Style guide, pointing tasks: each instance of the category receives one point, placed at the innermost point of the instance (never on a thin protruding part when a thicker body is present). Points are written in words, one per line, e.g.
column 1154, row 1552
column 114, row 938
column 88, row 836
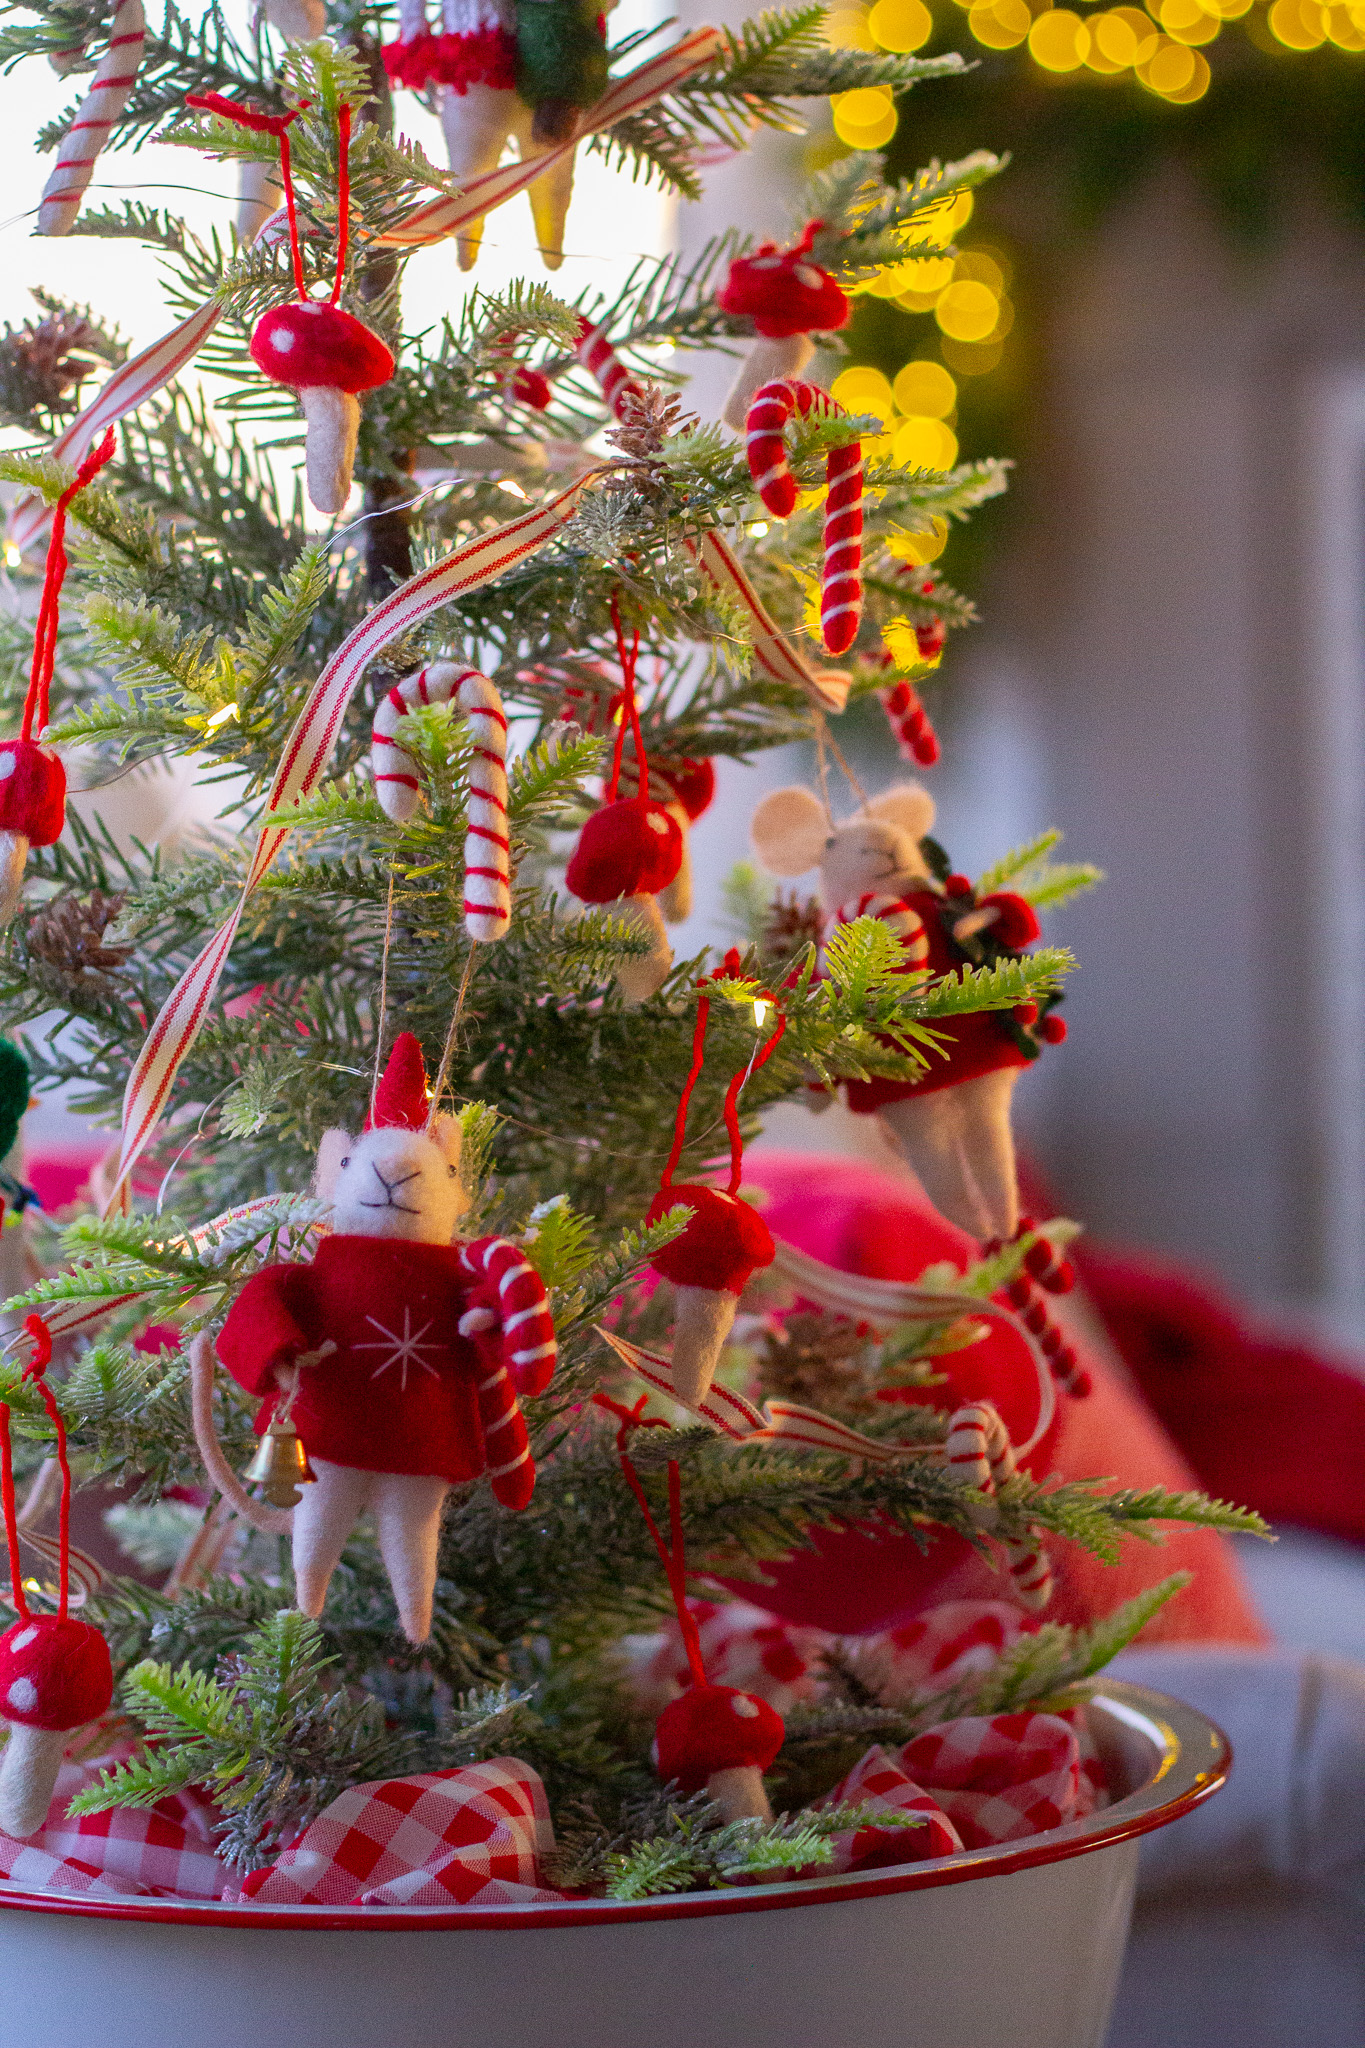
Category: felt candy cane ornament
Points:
column 713, row 1738
column 32, row 779
column 115, row 77
column 487, row 848
column 312, row 346
column 770, row 414
column 1045, row 1272
column 979, row 1451
column 788, row 297
column 55, row 1673
column 909, row 722
column 726, row 1240
column 631, row 848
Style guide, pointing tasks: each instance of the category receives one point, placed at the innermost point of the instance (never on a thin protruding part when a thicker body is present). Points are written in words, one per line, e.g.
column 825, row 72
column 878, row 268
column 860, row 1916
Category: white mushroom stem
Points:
column 740, row 1794
column 676, row 900
column 771, row 357
column 258, row 195
column 639, row 977
column 28, row 1777
column 13, row 857
column 329, row 449
column 703, row 1319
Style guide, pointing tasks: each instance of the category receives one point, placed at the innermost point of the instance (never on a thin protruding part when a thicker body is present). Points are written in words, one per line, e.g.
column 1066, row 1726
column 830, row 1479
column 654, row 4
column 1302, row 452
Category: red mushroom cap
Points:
column 783, row 292
column 714, row 1728
column 54, row 1674
column 32, row 791
column 1016, row 924
column 693, row 783
column 309, row 342
column 722, row 1245
column 626, row 849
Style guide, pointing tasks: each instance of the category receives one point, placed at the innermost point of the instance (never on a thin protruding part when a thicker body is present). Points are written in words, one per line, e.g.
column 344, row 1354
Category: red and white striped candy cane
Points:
column 487, row 847
column 841, row 590
column 596, row 354
column 115, row 77
column 979, row 1450
column 529, row 1346
column 899, row 918
column 909, row 721
column 1045, row 1268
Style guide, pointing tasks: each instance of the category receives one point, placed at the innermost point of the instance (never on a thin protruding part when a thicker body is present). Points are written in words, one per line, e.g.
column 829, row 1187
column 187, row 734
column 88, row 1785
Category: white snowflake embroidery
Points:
column 403, row 1351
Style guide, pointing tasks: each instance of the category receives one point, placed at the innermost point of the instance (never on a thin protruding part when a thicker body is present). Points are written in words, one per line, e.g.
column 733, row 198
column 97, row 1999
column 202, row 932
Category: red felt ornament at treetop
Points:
column 632, row 847
column 400, row 1351
column 55, row 1674
column 32, row 779
column 788, row 297
column 312, row 346
column 712, row 1737
column 725, row 1241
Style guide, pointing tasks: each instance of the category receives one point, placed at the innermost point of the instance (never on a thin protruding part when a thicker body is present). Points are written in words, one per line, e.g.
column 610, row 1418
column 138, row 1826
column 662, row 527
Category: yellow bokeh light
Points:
column 925, row 388
column 1171, row 70
column 1119, row 39
column 967, row 310
column 1298, row 24
column 864, row 118
column 900, row 24
column 972, row 358
column 923, row 443
column 927, row 274
column 940, row 222
column 1346, row 27
column 999, row 24
column 863, row 389
column 919, row 548
column 1187, row 21
column 848, row 29
column 983, row 266
column 916, row 302
column 1228, row 10
column 1198, row 84
column 1059, row 40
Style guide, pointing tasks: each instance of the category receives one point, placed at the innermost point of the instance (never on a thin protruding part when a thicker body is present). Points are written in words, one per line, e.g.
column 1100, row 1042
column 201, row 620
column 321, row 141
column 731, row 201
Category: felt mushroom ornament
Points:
column 712, row 1738
column 953, row 1121
column 55, row 1673
column 630, row 849
column 313, row 346
column 788, row 297
column 32, row 779
column 687, row 787
column 725, row 1241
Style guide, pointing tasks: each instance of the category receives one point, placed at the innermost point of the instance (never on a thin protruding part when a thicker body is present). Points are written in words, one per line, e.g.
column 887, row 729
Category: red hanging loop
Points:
column 343, row 194
column 54, row 575
column 629, row 709
column 738, row 1081
column 672, row 1554
column 264, row 124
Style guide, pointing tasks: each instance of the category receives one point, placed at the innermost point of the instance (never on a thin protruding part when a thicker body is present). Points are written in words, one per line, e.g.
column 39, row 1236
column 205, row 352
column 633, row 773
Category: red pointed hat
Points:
column 401, row 1097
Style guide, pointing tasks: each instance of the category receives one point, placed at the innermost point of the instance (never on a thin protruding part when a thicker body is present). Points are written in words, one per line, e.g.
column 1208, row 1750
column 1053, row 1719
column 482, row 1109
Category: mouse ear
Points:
column 906, row 805
column 331, row 1152
column 448, row 1133
column 788, row 831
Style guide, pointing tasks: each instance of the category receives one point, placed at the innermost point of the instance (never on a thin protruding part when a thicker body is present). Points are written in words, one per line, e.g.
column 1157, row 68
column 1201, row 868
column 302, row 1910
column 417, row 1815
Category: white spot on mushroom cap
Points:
column 746, row 1708
column 9, row 761
column 24, row 1637
column 282, row 340
column 23, row 1695
column 657, row 824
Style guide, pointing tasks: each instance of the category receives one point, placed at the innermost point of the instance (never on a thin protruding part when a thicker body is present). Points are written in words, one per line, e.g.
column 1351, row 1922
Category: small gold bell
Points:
column 281, row 1465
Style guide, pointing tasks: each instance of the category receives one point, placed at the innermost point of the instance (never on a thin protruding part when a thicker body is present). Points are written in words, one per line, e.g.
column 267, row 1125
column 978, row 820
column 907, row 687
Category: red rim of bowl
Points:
column 1193, row 1760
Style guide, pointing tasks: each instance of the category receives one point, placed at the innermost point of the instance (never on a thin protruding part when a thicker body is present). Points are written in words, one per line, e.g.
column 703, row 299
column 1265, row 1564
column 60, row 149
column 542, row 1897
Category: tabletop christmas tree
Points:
column 475, row 1359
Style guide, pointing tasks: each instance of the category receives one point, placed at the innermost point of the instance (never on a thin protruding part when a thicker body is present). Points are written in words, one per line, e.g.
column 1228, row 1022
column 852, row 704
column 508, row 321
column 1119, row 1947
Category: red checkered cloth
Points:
column 878, row 1780
column 958, row 1640
column 1002, row 1778
column 463, row 1837
column 741, row 1645
column 163, row 1851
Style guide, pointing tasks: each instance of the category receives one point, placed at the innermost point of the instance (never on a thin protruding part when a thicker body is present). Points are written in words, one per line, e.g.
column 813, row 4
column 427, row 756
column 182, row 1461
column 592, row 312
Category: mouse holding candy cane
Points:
column 953, row 1123
column 398, row 1351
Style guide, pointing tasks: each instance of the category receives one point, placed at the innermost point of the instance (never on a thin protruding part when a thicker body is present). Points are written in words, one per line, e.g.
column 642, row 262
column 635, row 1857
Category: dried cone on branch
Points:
column 68, row 937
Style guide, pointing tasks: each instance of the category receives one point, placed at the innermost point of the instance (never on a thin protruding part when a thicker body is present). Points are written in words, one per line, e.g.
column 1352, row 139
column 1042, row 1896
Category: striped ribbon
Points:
column 776, row 655
column 780, row 1422
column 487, row 847
column 306, row 755
column 149, row 372
column 115, row 77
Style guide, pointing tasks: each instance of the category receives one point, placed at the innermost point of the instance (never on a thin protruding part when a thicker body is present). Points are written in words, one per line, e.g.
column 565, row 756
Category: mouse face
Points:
column 868, row 857
column 393, row 1182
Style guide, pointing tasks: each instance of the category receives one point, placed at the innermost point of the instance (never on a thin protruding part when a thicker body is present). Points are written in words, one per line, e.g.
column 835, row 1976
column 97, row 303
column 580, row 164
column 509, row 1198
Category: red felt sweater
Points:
column 977, row 1045
column 399, row 1392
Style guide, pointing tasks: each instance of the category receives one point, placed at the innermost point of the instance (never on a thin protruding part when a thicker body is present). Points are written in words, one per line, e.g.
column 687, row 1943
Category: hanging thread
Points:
column 45, row 633
column 672, row 1554
column 41, row 1338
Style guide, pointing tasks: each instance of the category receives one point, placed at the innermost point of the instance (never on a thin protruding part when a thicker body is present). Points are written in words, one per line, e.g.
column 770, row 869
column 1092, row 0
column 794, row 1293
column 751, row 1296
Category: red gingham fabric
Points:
column 741, row 1645
column 1000, row 1779
column 958, row 1640
column 164, row 1851
column 878, row 1780
column 461, row 1837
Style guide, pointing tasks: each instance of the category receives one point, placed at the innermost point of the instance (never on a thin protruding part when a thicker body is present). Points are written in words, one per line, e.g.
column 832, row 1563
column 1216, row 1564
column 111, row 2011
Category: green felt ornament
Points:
column 15, row 1086
column 561, row 63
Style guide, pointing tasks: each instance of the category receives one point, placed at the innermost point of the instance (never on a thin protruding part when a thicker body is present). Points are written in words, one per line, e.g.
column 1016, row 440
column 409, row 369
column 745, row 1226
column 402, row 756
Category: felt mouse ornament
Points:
column 788, row 297
column 313, row 346
column 518, row 69
column 953, row 1123
column 401, row 1351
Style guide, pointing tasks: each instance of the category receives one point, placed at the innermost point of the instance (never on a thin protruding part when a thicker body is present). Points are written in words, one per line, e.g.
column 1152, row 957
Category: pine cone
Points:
column 43, row 363
column 792, row 923
column 649, row 417
column 68, row 937
column 824, row 1363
